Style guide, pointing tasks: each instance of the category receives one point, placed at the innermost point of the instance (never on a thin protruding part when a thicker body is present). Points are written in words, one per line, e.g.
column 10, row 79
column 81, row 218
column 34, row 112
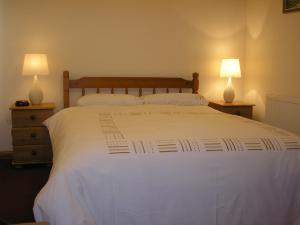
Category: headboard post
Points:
column 195, row 83
column 66, row 89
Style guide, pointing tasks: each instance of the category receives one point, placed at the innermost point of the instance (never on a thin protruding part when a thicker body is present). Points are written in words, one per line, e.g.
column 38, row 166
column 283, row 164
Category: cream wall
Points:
column 118, row 38
column 3, row 124
column 272, row 53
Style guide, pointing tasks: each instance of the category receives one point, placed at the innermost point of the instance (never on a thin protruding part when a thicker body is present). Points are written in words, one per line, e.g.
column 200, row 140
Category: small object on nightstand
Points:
column 235, row 108
column 21, row 103
column 31, row 141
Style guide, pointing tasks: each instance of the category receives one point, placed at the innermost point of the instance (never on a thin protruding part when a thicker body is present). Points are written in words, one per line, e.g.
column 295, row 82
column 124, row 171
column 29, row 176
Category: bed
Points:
column 152, row 164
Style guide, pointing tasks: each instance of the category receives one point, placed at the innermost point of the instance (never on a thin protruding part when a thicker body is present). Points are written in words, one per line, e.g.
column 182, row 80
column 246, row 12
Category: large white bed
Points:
column 168, row 165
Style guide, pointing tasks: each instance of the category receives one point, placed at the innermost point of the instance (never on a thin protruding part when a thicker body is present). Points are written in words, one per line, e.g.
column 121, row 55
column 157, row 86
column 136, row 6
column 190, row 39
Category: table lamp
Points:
column 35, row 65
column 230, row 68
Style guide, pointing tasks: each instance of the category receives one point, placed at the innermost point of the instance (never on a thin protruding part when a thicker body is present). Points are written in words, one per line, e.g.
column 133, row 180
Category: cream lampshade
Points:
column 230, row 68
column 35, row 65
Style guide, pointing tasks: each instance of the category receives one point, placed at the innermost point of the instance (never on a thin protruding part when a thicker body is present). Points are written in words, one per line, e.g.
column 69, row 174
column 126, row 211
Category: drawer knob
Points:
column 33, row 135
column 32, row 117
column 33, row 153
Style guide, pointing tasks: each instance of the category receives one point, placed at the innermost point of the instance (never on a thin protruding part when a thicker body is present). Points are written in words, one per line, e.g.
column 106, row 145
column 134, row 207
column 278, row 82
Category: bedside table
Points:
column 235, row 108
column 31, row 141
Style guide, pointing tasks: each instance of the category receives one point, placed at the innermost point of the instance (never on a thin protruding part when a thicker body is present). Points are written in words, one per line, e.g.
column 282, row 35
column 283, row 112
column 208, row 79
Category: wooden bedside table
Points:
column 31, row 141
column 235, row 108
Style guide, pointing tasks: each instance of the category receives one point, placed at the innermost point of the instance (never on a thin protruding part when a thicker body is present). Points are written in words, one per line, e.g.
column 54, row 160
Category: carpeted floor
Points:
column 18, row 188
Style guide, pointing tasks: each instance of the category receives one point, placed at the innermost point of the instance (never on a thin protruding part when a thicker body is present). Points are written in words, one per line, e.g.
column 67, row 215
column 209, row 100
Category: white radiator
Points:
column 283, row 112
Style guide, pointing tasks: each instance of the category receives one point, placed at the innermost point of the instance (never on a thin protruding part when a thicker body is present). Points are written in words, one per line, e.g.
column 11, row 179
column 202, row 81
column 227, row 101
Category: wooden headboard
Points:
column 126, row 83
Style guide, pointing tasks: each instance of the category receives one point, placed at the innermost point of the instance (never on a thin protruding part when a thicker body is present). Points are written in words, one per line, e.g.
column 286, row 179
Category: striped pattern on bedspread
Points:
column 117, row 143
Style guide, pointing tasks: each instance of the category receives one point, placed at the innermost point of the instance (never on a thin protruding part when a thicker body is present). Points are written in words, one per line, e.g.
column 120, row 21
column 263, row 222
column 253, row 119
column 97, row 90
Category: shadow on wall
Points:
column 224, row 27
column 257, row 13
column 217, row 21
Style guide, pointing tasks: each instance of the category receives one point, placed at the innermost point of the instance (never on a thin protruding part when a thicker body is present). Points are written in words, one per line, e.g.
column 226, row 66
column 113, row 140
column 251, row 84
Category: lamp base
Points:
column 229, row 94
column 36, row 93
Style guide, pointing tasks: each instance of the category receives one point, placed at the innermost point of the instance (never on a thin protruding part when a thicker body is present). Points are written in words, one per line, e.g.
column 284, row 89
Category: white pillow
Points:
column 175, row 99
column 109, row 99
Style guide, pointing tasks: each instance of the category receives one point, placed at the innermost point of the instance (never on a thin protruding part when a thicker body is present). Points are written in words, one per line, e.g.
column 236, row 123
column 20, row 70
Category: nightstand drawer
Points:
column 239, row 111
column 30, row 118
column 32, row 154
column 31, row 136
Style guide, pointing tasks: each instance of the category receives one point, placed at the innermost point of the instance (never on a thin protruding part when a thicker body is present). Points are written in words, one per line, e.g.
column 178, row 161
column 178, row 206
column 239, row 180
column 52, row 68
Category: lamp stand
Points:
column 35, row 93
column 229, row 92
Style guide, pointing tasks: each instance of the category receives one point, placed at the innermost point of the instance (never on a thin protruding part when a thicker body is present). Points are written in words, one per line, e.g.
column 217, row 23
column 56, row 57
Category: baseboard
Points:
column 5, row 154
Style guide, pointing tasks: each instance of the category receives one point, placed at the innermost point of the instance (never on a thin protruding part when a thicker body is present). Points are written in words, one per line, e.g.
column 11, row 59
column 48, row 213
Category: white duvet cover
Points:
column 168, row 165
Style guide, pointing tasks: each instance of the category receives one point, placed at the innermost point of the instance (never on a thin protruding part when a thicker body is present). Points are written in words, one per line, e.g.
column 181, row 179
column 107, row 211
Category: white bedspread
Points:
column 168, row 165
